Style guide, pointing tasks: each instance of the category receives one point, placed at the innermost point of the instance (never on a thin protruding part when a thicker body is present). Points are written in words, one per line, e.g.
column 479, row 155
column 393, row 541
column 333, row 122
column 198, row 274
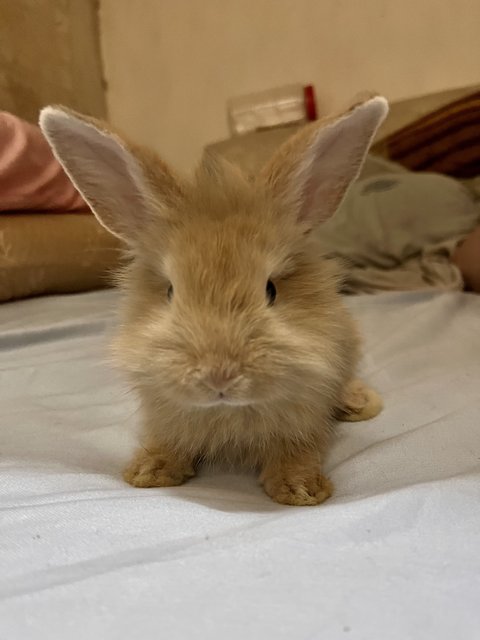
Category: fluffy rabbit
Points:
column 233, row 334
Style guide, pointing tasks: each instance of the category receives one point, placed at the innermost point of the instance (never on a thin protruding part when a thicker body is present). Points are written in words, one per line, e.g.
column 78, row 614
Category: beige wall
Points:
column 49, row 53
column 171, row 64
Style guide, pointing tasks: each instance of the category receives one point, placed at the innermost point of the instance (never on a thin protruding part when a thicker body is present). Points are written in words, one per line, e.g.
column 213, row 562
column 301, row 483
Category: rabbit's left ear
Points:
column 311, row 172
column 124, row 186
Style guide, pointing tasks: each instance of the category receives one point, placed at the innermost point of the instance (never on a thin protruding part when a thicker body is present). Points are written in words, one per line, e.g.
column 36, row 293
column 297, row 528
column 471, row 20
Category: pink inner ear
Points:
column 103, row 170
column 328, row 175
column 320, row 200
column 113, row 167
column 330, row 160
column 338, row 158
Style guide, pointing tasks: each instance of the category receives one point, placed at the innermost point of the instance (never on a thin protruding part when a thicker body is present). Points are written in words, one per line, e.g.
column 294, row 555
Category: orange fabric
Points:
column 54, row 253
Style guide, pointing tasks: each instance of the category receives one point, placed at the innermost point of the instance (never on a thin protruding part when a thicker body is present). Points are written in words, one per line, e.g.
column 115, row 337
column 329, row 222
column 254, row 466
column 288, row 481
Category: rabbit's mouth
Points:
column 223, row 399
column 223, row 384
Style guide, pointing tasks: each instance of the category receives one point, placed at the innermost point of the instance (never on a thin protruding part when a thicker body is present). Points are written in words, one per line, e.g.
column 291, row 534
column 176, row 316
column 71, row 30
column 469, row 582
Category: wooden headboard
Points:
column 403, row 112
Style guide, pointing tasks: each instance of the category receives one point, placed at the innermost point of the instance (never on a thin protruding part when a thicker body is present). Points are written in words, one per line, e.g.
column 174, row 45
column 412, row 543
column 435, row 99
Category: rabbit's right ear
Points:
column 123, row 189
column 310, row 174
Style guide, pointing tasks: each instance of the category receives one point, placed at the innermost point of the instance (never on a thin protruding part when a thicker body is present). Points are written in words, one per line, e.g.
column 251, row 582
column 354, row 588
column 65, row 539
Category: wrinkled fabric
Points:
column 398, row 231
column 30, row 176
column 393, row 555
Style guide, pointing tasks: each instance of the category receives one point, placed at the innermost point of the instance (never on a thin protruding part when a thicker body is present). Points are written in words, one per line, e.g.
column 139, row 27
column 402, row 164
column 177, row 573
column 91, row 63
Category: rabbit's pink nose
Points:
column 219, row 379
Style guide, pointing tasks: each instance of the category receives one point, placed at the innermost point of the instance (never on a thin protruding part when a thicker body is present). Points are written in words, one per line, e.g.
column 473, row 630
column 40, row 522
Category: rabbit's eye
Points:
column 170, row 292
column 271, row 292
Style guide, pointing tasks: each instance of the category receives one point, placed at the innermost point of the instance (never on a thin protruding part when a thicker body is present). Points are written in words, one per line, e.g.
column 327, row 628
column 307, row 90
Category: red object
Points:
column 310, row 103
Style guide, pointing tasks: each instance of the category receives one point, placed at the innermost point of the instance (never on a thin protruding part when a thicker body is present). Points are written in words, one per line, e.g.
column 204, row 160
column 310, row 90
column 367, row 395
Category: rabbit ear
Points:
column 311, row 172
column 123, row 189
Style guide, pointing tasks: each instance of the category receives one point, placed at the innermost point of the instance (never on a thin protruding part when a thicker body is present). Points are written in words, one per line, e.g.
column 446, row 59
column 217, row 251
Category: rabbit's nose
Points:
column 220, row 378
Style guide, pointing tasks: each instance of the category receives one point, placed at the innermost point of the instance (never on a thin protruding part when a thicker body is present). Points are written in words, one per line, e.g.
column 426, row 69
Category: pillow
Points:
column 30, row 176
column 447, row 140
column 398, row 231
column 54, row 253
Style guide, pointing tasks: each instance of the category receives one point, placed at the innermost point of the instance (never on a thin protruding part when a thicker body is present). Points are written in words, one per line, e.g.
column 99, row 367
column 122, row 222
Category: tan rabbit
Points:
column 233, row 333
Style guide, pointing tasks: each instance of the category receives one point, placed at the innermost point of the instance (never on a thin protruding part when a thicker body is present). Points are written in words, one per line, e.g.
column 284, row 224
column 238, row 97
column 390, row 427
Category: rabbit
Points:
column 234, row 334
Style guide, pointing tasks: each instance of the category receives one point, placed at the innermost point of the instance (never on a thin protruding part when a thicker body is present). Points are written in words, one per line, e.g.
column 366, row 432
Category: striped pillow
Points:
column 444, row 141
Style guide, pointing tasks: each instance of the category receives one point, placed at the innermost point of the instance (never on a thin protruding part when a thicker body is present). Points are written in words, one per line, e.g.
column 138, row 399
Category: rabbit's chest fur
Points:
column 236, row 435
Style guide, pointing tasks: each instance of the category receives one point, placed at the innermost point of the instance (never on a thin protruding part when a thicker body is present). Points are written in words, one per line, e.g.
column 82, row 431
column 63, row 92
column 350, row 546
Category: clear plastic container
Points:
column 272, row 108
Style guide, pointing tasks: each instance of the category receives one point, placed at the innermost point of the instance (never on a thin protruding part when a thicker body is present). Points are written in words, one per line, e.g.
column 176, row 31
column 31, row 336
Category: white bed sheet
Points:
column 394, row 555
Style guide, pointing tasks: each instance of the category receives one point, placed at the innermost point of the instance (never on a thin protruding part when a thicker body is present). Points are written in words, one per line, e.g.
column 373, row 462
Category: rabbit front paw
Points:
column 307, row 491
column 156, row 469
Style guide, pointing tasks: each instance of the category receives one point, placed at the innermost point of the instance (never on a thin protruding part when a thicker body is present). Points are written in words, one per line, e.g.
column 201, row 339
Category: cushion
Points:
column 54, row 253
column 30, row 176
column 397, row 231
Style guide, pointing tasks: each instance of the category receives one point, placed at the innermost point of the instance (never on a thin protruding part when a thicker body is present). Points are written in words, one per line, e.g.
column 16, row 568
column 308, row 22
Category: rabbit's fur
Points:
column 224, row 372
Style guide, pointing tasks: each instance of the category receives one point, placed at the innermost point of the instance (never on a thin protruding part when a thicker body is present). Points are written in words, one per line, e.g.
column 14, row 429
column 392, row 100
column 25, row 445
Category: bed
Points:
column 393, row 555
